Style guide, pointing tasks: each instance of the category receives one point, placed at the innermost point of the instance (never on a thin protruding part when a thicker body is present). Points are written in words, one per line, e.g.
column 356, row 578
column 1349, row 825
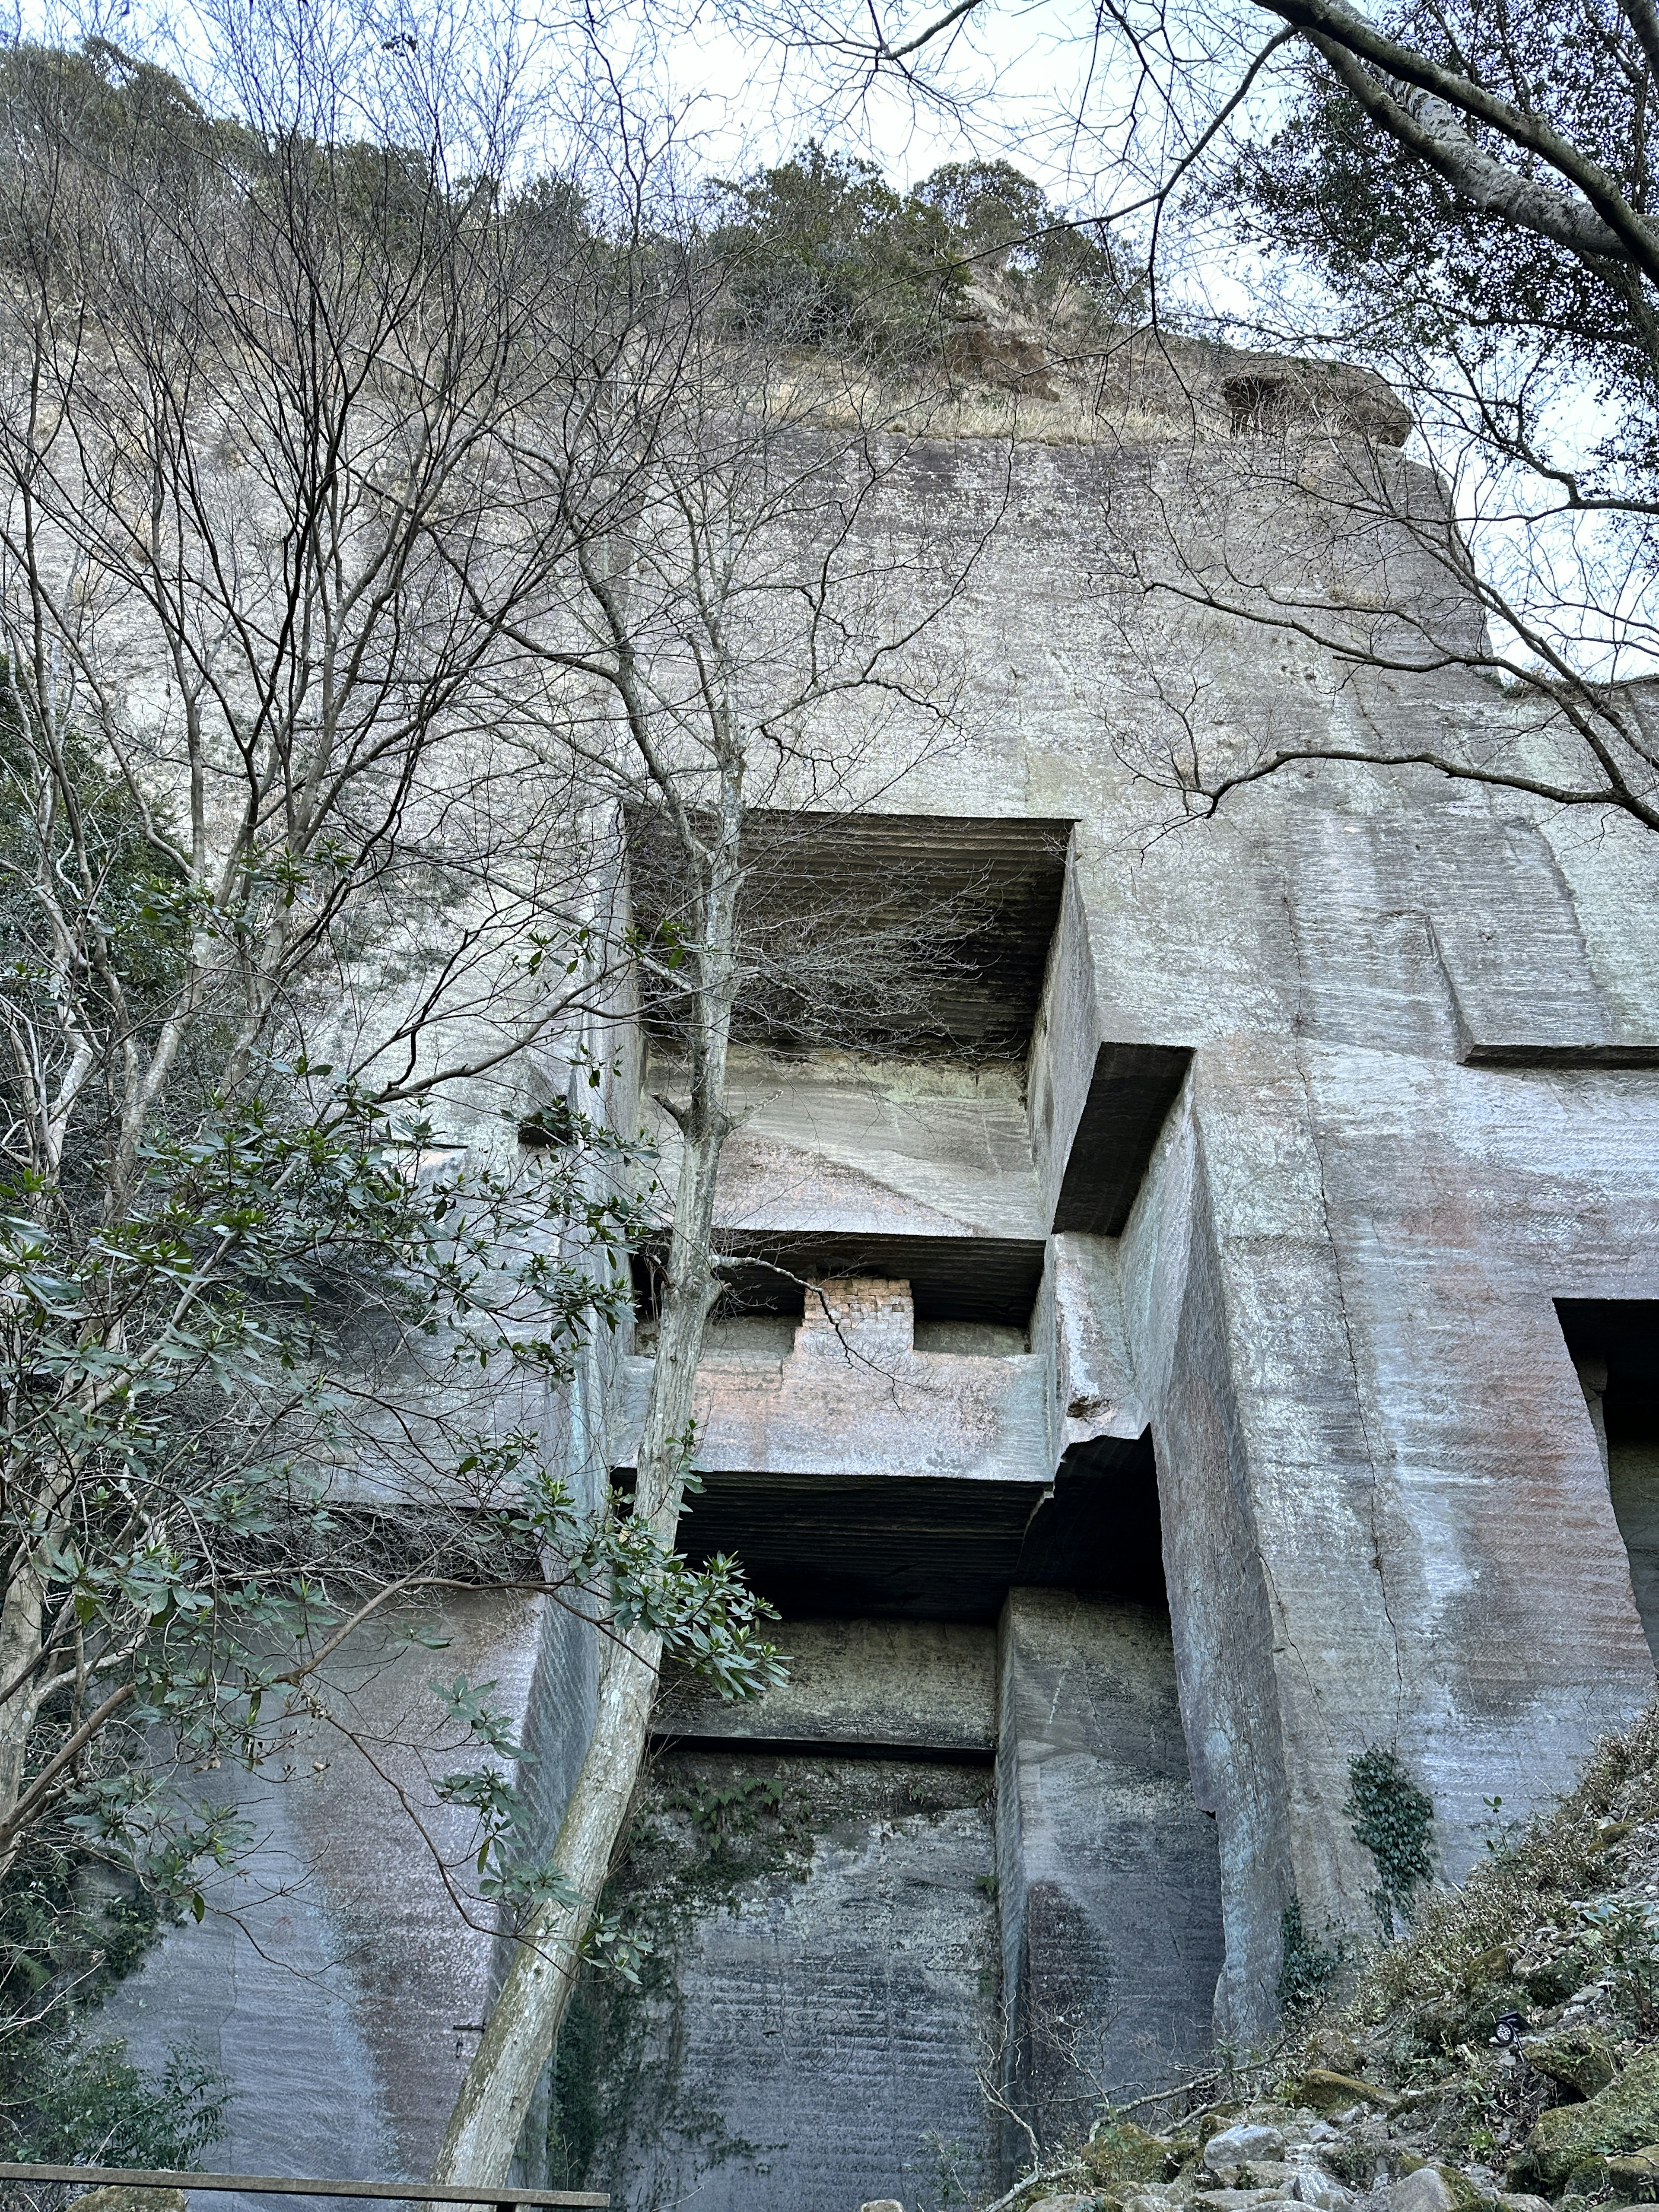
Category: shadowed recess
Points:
column 936, row 1548
column 985, row 1278
column 1614, row 1343
column 1130, row 1094
column 928, row 933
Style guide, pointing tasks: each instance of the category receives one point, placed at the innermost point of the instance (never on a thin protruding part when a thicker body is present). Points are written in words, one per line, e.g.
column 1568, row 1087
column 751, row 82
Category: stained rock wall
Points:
column 1200, row 1395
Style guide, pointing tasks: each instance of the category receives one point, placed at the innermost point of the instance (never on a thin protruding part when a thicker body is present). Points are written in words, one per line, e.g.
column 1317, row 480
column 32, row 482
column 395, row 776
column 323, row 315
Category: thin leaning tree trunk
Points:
column 483, row 2134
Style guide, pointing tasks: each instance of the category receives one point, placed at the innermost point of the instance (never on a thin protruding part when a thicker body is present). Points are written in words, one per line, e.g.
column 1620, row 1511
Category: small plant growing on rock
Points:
column 1395, row 1821
column 1621, row 1938
column 1307, row 1968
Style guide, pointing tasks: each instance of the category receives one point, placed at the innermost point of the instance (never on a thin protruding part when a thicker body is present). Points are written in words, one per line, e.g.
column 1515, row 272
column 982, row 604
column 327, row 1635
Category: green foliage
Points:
column 1010, row 231
column 1306, row 1969
column 576, row 2111
column 1620, row 1943
column 1395, row 1821
column 171, row 1346
column 1419, row 266
column 718, row 1810
column 71, row 1926
column 157, row 1347
column 68, row 2102
column 824, row 254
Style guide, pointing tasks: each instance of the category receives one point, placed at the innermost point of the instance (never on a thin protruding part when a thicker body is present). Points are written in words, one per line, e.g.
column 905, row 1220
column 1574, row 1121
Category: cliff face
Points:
column 1247, row 1368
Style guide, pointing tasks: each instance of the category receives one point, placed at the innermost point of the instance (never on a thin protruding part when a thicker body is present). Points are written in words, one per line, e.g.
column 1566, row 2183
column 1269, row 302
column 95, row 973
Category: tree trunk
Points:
column 523, row 2022
column 21, row 1621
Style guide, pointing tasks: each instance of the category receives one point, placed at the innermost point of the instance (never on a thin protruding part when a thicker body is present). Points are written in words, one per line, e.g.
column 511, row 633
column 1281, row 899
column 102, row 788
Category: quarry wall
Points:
column 1250, row 1372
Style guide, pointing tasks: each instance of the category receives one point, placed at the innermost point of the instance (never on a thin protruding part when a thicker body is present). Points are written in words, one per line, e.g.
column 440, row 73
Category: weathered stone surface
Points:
column 930, row 1684
column 1244, row 2200
column 1328, row 2092
column 331, row 1977
column 1106, row 1867
column 1426, row 2191
column 800, row 2017
column 853, row 1396
column 1578, row 2059
column 1636, row 2175
column 1123, row 2154
column 840, row 1143
column 1232, row 2147
column 1308, row 2185
column 1624, row 2118
column 1416, row 1109
column 1334, row 2052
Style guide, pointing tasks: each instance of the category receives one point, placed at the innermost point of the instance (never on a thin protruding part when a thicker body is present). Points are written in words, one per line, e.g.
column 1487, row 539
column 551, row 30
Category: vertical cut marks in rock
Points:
column 1109, row 1876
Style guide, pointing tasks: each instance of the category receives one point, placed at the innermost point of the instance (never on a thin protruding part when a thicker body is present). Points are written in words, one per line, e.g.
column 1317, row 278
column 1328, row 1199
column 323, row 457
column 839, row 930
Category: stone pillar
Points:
column 1108, row 1877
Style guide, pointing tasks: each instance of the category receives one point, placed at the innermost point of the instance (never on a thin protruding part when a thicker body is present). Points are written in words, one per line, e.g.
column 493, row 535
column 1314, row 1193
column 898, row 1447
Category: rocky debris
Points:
column 1623, row 2118
column 1117, row 2157
column 1578, row 2060
column 1334, row 2052
column 1426, row 2191
column 876, row 2205
column 1504, row 2057
column 1332, row 2093
column 1233, row 2146
column 1636, row 2174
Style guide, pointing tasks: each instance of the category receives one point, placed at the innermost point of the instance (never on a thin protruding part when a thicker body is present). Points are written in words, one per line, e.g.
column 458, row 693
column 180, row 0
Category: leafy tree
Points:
column 824, row 253
column 81, row 2103
column 1410, row 251
column 1469, row 189
column 282, row 872
column 1010, row 230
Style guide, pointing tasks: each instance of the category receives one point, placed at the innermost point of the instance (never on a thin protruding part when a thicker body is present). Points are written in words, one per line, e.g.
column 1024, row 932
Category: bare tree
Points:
column 753, row 655
column 288, row 862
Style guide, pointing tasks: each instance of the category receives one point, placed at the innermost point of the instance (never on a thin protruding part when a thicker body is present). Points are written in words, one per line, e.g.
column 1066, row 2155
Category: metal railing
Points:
column 283, row 2185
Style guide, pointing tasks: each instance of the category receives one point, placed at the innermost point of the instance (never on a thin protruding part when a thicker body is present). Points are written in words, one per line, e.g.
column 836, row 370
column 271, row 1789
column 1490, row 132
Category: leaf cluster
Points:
column 1395, row 1821
column 1419, row 265
column 71, row 2102
column 822, row 253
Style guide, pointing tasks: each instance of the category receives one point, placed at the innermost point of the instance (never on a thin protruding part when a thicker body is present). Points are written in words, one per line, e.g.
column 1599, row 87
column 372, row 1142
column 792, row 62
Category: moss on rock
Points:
column 1579, row 2061
column 1623, row 2117
column 1124, row 2154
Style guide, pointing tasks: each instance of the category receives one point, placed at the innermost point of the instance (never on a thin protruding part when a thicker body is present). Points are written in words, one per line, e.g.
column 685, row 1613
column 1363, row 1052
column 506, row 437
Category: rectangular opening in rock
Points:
column 958, row 1850
column 817, row 1887
column 1614, row 1343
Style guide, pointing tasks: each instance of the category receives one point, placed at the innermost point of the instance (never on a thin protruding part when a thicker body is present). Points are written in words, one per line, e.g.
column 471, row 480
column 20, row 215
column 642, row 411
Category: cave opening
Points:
column 1614, row 1343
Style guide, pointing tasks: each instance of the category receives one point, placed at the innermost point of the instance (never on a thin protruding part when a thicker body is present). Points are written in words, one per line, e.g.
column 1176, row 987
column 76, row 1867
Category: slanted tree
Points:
column 752, row 658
